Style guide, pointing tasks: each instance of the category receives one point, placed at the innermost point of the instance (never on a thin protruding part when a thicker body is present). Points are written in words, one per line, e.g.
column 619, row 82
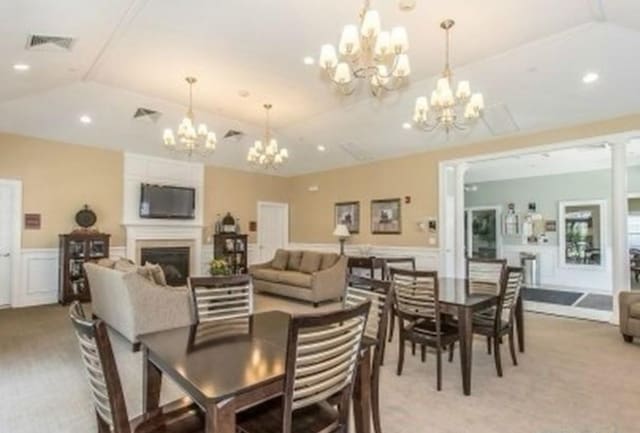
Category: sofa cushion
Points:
column 124, row 265
column 310, row 262
column 293, row 264
column 280, row 260
column 328, row 260
column 272, row 275
column 294, row 278
column 157, row 273
column 634, row 310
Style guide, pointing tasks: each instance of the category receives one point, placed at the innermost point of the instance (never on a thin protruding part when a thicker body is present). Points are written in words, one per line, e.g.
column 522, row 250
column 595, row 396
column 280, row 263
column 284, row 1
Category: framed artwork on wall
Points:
column 385, row 216
column 348, row 213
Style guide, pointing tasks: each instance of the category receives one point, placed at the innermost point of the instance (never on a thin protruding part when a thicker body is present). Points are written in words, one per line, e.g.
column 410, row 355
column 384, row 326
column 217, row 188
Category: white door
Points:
column 273, row 229
column 7, row 239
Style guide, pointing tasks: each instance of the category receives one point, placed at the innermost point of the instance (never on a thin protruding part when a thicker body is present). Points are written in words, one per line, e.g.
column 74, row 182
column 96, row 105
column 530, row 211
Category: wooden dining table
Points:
column 227, row 367
column 456, row 299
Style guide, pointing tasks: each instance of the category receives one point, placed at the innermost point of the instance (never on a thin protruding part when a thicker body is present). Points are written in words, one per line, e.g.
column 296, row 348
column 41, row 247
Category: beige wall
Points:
column 58, row 179
column 238, row 192
column 312, row 217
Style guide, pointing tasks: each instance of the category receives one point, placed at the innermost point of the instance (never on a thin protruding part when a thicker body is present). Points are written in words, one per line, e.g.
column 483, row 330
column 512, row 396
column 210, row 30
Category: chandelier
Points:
column 266, row 153
column 190, row 139
column 368, row 53
column 446, row 109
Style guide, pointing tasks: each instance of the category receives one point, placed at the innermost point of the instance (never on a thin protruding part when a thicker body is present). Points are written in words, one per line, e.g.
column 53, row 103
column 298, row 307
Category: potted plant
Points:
column 218, row 268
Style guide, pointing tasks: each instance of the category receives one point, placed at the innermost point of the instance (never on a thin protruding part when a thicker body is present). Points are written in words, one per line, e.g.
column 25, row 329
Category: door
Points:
column 273, row 229
column 8, row 236
column 482, row 227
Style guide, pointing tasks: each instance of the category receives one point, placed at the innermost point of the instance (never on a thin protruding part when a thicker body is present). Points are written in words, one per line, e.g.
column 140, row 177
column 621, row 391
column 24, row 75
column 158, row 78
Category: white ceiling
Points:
column 528, row 56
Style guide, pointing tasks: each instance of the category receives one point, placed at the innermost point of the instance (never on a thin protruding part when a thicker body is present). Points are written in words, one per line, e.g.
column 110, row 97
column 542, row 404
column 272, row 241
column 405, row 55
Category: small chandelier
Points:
column 265, row 154
column 368, row 53
column 445, row 109
column 190, row 139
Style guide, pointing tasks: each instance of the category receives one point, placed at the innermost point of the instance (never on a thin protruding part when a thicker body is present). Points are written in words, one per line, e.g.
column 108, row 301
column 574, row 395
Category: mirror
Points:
column 581, row 233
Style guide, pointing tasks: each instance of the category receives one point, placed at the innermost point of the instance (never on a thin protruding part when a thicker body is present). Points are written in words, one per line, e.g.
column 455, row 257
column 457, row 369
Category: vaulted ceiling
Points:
column 527, row 57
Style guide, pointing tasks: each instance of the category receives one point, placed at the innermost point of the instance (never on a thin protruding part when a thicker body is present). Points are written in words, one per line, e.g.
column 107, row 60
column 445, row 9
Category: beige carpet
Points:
column 576, row 377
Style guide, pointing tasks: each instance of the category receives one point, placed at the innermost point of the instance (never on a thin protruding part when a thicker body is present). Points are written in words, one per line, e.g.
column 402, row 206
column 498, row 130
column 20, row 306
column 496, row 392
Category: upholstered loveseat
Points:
column 629, row 315
column 305, row 275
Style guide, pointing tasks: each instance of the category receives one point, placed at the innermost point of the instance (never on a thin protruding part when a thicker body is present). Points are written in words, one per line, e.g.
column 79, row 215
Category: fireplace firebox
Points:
column 173, row 260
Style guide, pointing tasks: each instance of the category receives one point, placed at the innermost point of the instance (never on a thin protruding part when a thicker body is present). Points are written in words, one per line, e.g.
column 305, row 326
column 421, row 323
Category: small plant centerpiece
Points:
column 219, row 268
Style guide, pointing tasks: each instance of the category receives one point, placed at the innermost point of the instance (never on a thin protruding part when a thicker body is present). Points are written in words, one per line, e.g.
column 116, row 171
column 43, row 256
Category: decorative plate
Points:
column 85, row 217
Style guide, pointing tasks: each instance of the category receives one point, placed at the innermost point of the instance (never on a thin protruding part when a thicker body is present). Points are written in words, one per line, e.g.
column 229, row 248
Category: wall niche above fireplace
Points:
column 173, row 260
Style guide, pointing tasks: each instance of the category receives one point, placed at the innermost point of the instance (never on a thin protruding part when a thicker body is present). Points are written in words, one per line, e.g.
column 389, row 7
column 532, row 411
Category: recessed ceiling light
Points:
column 590, row 77
column 321, row 148
column 85, row 119
column 406, row 125
column 21, row 67
column 309, row 60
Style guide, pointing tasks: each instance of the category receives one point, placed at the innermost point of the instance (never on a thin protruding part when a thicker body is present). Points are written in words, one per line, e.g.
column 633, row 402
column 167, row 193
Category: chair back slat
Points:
column 416, row 293
column 511, row 293
column 378, row 313
column 224, row 298
column 485, row 275
column 322, row 355
column 101, row 371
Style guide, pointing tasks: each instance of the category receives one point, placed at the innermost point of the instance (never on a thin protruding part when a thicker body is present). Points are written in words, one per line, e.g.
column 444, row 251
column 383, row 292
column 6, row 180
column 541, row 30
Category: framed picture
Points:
column 385, row 216
column 348, row 213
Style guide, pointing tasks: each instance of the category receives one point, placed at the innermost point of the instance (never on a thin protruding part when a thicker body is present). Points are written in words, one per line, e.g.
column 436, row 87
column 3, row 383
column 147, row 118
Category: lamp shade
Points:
column 341, row 231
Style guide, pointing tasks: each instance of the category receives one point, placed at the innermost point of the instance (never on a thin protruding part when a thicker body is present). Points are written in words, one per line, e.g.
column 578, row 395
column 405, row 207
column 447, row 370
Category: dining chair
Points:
column 417, row 307
column 389, row 263
column 500, row 322
column 322, row 355
column 485, row 275
column 181, row 416
column 221, row 298
column 380, row 295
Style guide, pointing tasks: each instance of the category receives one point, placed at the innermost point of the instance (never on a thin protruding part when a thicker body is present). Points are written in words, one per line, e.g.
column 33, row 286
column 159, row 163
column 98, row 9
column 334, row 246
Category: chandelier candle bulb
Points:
column 328, row 58
column 477, row 100
column 403, row 69
column 343, row 73
column 399, row 40
column 464, row 90
column 383, row 43
column 349, row 42
column 370, row 24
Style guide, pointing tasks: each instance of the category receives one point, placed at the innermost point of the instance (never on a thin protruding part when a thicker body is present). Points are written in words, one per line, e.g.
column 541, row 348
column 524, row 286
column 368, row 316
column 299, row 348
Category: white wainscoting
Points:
column 552, row 274
column 426, row 258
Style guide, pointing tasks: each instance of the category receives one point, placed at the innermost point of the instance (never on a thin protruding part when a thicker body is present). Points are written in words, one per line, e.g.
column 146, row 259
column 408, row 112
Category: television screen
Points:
column 167, row 202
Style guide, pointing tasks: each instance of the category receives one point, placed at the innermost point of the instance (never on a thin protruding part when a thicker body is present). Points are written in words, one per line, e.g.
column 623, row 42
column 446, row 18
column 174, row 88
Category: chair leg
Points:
column 439, row 365
column 400, row 350
column 489, row 345
column 392, row 324
column 512, row 347
column 452, row 347
column 496, row 354
column 627, row 338
column 423, row 353
column 375, row 398
column 413, row 348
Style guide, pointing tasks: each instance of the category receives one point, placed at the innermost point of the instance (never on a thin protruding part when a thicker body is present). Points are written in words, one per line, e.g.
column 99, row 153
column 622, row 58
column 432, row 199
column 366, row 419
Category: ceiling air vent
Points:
column 49, row 43
column 499, row 120
column 233, row 133
column 147, row 114
column 356, row 151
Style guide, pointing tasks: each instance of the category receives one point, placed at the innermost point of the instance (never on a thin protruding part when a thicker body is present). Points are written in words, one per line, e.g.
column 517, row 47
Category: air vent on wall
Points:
column 147, row 114
column 49, row 43
column 233, row 133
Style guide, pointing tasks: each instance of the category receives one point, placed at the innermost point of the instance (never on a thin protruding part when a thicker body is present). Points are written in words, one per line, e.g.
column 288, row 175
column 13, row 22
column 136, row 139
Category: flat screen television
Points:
column 167, row 202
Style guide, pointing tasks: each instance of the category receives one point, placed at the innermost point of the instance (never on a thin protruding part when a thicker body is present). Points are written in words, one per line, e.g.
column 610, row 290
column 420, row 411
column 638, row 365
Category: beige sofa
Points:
column 304, row 275
column 629, row 315
column 133, row 305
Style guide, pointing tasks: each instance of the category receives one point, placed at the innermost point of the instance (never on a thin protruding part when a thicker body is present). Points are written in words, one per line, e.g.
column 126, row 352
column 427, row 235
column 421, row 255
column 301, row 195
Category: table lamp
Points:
column 342, row 233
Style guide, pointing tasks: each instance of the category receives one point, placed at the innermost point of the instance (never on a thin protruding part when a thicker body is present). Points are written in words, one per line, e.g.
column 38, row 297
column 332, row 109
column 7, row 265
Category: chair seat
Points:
column 634, row 310
column 424, row 331
column 267, row 418
column 180, row 416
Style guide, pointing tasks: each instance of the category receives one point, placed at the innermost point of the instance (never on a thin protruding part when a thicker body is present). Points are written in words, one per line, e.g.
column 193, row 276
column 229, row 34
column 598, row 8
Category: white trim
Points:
column 285, row 207
column 603, row 234
column 16, row 241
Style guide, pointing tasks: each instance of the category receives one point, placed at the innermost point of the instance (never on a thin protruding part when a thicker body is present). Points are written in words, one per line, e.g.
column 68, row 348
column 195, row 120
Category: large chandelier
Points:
column 368, row 53
column 446, row 109
column 266, row 153
column 190, row 139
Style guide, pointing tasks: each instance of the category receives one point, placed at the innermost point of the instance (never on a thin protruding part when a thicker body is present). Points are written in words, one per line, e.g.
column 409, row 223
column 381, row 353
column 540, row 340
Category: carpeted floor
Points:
column 576, row 377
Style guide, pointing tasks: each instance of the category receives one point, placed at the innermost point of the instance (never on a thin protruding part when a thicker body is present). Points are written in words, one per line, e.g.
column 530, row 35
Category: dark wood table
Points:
column 455, row 299
column 226, row 372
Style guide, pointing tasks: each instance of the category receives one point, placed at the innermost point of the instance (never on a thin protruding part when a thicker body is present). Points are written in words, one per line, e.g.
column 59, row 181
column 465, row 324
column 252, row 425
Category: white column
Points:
column 619, row 235
column 461, row 170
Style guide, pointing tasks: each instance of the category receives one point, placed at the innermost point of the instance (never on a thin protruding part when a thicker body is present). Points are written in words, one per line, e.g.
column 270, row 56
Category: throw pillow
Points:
column 293, row 264
column 310, row 262
column 280, row 260
column 328, row 260
column 145, row 272
column 157, row 273
column 124, row 265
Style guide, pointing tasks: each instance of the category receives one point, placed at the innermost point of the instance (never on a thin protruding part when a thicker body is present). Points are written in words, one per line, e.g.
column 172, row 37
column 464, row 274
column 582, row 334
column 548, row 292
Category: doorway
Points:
column 273, row 228
column 10, row 232
column 482, row 232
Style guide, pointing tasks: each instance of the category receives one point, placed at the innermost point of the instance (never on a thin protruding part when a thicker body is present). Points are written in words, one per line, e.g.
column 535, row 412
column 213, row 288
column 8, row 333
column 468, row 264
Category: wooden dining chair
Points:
column 181, row 416
column 221, row 298
column 322, row 354
column 485, row 275
column 500, row 322
column 389, row 263
column 380, row 295
column 417, row 307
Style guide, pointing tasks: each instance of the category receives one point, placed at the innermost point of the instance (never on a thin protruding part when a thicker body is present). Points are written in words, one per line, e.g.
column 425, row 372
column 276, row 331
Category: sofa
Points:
column 629, row 315
column 133, row 304
column 304, row 275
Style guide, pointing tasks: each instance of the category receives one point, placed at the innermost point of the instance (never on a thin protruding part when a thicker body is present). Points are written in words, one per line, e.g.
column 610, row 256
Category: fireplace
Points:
column 173, row 260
